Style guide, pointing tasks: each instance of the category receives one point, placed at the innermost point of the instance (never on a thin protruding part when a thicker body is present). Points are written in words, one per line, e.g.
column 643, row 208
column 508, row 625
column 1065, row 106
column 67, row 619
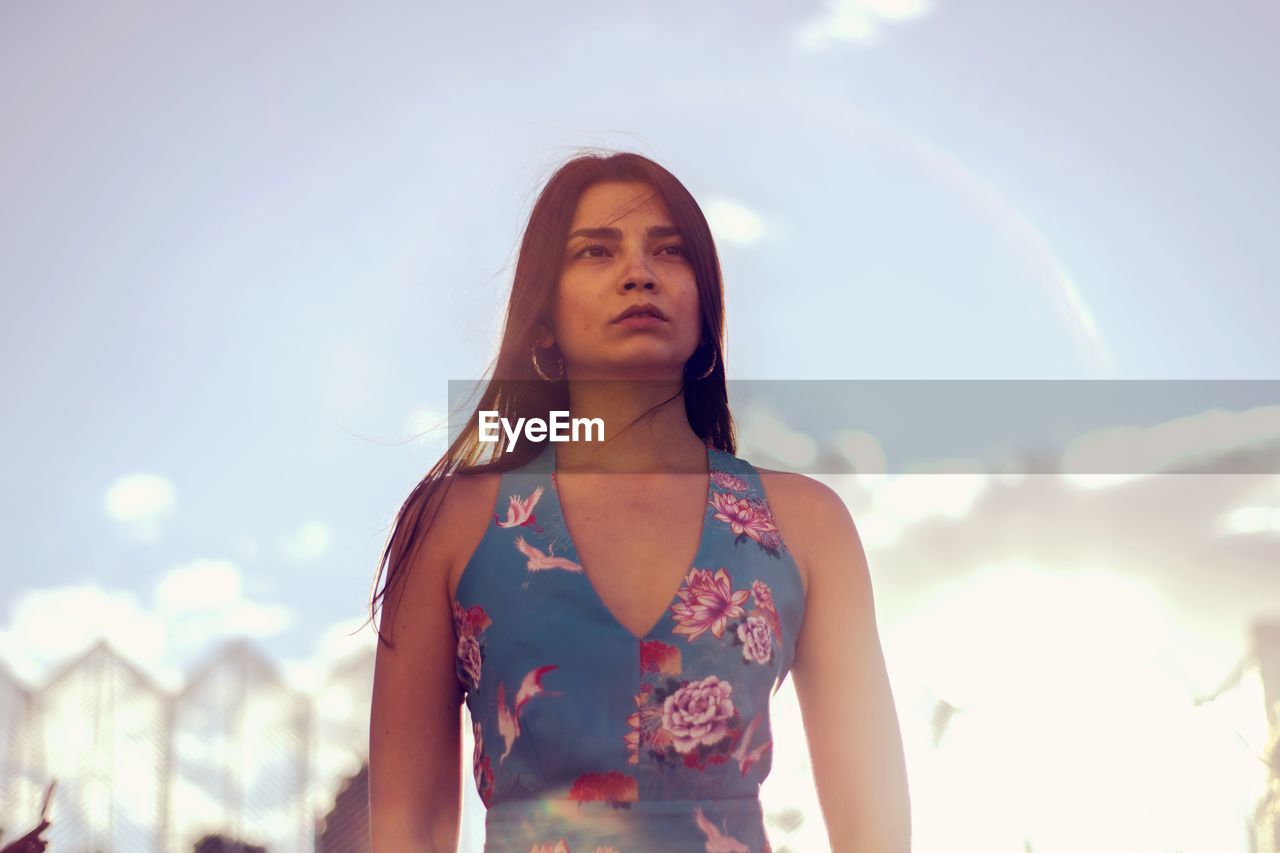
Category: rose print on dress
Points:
column 469, row 654
column 698, row 713
column 509, row 718
column 748, row 518
column 520, row 511
column 764, row 606
column 707, row 603
column 481, row 769
column 614, row 787
column 717, row 841
column 539, row 561
column 690, row 723
column 757, row 633
column 756, row 638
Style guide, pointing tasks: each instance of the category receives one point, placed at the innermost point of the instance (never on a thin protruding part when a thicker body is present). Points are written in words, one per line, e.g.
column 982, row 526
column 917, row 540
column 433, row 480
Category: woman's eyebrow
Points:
column 606, row 233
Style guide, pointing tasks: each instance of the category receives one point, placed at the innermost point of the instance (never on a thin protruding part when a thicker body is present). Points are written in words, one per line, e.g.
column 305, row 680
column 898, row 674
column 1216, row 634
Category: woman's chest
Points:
column 636, row 546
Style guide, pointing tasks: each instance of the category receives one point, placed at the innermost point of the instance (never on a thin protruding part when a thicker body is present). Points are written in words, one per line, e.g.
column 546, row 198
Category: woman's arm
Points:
column 851, row 724
column 415, row 726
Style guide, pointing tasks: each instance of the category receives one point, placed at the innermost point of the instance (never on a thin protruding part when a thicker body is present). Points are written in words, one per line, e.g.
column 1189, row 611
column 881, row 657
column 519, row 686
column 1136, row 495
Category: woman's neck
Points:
column 661, row 441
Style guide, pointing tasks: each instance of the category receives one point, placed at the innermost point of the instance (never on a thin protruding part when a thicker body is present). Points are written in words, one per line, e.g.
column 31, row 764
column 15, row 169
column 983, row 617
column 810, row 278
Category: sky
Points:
column 244, row 249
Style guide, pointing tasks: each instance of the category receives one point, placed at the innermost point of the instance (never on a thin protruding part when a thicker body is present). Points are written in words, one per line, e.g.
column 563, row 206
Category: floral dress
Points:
column 589, row 738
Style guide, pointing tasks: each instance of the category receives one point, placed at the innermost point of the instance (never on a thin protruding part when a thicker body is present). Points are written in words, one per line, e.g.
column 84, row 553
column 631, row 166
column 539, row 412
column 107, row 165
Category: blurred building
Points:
column 345, row 829
column 228, row 763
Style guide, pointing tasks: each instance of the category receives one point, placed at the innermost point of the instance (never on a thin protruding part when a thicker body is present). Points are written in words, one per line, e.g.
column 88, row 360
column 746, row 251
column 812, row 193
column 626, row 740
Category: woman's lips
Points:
column 640, row 321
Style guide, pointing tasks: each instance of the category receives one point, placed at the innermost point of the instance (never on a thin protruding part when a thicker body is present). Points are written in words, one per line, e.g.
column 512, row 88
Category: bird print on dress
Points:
column 509, row 718
column 540, row 561
column 520, row 511
column 717, row 841
column 745, row 758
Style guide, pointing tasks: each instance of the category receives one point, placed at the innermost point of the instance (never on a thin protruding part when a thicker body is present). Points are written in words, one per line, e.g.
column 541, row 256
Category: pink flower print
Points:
column 470, row 661
column 748, row 518
column 734, row 511
column 632, row 738
column 764, row 606
column 473, row 620
column 771, row 540
column 657, row 656
column 717, row 841
column 469, row 652
column 707, row 603
column 614, row 787
column 763, row 595
column 757, row 639
column 698, row 712
column 481, row 769
column 725, row 480
column 645, row 725
column 520, row 511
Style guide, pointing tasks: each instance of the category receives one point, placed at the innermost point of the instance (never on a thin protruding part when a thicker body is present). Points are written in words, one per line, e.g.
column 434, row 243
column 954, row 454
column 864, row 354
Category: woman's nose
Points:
column 639, row 271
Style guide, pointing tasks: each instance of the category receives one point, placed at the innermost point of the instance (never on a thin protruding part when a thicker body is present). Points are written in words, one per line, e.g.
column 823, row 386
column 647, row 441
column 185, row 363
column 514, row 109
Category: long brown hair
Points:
column 515, row 390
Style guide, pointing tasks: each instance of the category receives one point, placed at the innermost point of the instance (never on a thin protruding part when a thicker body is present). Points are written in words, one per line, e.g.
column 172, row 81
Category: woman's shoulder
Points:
column 795, row 485
column 802, row 508
column 797, row 494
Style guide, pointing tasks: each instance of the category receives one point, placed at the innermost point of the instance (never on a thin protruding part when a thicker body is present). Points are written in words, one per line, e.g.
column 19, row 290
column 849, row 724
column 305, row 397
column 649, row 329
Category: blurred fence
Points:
column 236, row 760
column 235, row 754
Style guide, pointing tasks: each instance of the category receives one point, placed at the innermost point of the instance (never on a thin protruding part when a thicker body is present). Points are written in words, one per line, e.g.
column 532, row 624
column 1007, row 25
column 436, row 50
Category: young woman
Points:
column 616, row 615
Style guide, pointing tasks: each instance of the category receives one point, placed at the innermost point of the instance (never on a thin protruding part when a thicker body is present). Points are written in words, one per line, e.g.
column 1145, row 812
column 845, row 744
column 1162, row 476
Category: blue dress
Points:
column 589, row 739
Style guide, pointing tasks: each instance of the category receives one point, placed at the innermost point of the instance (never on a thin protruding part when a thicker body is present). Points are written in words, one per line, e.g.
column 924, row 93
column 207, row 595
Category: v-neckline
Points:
column 591, row 587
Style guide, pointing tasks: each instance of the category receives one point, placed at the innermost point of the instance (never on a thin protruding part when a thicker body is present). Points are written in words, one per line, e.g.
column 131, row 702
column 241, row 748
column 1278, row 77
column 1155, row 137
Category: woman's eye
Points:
column 679, row 249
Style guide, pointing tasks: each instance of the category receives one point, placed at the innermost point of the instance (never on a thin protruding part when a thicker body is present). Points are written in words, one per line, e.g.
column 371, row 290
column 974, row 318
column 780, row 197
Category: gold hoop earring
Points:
column 538, row 368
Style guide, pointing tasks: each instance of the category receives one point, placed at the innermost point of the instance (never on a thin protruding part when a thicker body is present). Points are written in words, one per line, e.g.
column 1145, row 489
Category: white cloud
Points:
column 858, row 21
column 733, row 222
column 48, row 626
column 193, row 607
column 765, row 436
column 339, row 645
column 1123, row 453
column 308, row 543
column 199, row 585
column 141, row 503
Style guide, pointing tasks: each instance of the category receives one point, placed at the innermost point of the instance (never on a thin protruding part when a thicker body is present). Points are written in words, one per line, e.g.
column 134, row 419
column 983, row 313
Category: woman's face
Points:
column 612, row 262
